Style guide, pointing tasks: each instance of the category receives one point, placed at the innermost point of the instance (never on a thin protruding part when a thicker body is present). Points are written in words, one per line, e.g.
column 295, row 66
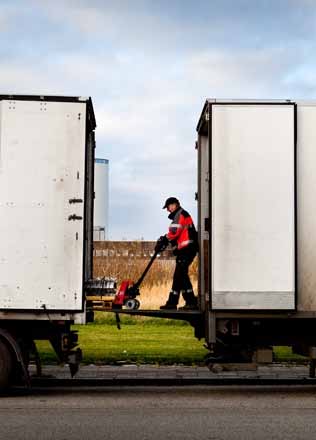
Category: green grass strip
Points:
column 152, row 343
column 143, row 341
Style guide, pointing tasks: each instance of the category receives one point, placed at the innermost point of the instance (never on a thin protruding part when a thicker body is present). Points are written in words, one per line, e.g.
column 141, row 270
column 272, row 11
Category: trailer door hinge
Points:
column 74, row 217
column 207, row 224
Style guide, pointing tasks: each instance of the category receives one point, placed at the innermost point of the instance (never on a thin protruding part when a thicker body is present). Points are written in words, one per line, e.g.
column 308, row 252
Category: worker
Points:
column 183, row 236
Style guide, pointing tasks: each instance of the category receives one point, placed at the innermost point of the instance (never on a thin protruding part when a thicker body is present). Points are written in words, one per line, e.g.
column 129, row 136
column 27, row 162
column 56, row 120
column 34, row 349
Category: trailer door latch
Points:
column 74, row 217
column 75, row 201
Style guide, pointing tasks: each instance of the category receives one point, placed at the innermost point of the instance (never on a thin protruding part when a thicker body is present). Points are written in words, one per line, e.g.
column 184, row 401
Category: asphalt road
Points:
column 160, row 413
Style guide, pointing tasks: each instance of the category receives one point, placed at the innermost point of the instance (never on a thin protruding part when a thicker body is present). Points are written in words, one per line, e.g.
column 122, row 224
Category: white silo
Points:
column 101, row 201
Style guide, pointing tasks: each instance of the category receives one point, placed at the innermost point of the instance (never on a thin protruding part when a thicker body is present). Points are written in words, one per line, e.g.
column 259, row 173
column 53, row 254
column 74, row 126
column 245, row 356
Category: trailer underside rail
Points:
column 186, row 315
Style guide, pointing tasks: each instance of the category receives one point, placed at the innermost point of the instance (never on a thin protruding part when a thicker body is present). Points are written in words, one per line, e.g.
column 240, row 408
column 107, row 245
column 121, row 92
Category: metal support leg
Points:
column 210, row 328
column 312, row 361
column 37, row 359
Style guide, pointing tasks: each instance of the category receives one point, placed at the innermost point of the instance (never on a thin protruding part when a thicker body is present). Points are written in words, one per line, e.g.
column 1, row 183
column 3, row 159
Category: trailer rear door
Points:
column 42, row 204
column 253, row 204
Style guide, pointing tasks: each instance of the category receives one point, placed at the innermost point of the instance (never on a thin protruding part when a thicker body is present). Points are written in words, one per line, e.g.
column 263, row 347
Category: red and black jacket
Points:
column 182, row 231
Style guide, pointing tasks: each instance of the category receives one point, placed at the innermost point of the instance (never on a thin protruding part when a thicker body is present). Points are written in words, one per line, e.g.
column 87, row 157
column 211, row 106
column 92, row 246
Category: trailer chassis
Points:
column 18, row 348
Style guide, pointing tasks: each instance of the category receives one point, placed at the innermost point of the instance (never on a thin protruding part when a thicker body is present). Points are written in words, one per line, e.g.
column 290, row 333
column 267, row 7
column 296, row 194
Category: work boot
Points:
column 172, row 302
column 191, row 301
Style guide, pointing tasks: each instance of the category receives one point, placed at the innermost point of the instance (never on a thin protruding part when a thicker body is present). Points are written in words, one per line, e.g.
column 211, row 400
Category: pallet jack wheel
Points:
column 132, row 304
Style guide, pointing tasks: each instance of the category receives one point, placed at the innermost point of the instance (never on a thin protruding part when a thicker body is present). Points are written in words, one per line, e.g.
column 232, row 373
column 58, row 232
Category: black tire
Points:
column 6, row 363
column 130, row 304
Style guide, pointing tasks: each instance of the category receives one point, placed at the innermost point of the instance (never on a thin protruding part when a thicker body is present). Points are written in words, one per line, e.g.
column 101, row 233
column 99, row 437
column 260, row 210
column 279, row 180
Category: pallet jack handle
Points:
column 140, row 280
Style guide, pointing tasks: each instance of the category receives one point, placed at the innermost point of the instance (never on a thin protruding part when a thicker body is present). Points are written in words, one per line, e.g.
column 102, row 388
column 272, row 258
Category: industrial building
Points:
column 101, row 201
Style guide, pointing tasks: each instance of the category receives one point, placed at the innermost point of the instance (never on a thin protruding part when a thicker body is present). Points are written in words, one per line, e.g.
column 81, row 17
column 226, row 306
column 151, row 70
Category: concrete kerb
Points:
column 185, row 373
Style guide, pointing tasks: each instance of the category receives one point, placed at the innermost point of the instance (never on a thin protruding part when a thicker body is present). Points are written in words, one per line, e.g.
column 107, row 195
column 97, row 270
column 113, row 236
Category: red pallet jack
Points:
column 126, row 294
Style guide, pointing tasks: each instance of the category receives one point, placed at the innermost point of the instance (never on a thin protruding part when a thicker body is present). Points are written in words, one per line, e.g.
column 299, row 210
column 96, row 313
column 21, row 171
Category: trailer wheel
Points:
column 6, row 362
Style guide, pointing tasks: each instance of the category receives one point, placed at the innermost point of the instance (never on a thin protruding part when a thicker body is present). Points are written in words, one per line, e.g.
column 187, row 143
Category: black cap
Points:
column 169, row 201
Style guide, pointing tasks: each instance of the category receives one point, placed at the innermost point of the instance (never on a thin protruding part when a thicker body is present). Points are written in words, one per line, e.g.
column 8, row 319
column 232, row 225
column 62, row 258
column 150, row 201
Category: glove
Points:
column 161, row 244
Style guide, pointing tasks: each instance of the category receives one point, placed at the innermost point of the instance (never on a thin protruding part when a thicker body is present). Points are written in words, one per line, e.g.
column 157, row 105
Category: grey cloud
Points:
column 149, row 69
column 186, row 25
column 155, row 148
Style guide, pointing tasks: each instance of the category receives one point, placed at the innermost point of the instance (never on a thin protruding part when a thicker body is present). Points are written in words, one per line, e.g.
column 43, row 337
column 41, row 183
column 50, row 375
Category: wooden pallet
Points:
column 103, row 302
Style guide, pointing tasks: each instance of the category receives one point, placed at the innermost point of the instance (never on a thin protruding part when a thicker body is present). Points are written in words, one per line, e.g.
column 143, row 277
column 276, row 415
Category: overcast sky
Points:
column 149, row 66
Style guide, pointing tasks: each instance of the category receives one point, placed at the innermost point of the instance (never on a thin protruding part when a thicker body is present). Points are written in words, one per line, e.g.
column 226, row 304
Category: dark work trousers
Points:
column 181, row 280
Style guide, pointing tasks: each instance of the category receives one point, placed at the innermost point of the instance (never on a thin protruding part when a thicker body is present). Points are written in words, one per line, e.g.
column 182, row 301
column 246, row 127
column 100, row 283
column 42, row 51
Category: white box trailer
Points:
column 46, row 216
column 257, row 226
column 252, row 206
column 44, row 192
